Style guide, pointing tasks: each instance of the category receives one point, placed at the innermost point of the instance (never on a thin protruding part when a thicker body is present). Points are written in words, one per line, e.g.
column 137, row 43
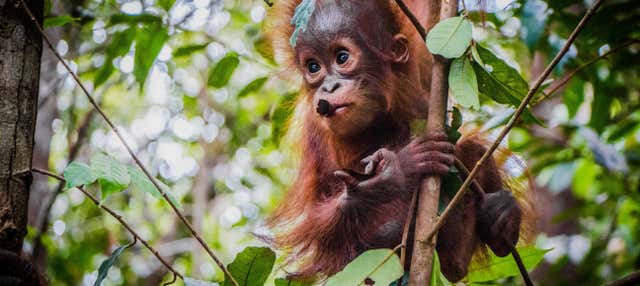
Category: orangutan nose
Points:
column 324, row 108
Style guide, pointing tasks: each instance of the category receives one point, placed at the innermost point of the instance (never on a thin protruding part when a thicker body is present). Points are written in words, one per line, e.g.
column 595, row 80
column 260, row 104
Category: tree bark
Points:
column 429, row 195
column 20, row 52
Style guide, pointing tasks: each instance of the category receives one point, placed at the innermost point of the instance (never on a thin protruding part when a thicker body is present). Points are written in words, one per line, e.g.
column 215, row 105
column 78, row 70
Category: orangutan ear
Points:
column 400, row 49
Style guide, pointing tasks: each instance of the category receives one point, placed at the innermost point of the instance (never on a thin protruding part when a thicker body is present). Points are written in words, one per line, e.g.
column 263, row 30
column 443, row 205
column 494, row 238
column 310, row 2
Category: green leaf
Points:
column 490, row 87
column 188, row 281
column 287, row 282
column 140, row 181
column 103, row 270
column 281, row 114
column 456, row 121
column 437, row 278
column 450, row 38
column 503, row 73
column 463, row 83
column 119, row 46
column 253, row 86
column 112, row 175
column 251, row 267
column 188, row 50
column 501, row 267
column 300, row 19
column 221, row 73
column 59, row 21
column 380, row 266
column 78, row 174
column 149, row 42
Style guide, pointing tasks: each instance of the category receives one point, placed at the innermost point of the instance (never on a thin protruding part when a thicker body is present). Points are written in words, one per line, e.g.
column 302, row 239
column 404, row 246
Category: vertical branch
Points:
column 428, row 198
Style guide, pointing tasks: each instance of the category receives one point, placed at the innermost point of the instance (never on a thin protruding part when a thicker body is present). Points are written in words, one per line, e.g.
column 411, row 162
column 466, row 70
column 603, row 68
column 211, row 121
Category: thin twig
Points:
column 129, row 150
column 413, row 19
column 569, row 76
column 407, row 227
column 632, row 279
column 171, row 281
column 48, row 204
column 523, row 105
column 118, row 217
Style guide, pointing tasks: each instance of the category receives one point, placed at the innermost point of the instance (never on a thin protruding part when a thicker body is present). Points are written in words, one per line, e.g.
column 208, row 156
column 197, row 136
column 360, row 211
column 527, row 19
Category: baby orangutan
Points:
column 363, row 69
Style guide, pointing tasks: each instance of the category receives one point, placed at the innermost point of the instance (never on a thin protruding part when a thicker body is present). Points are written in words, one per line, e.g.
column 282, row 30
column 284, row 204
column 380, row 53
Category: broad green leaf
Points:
column 251, row 267
column 112, row 175
column 188, row 281
column 463, row 83
column 287, row 282
column 501, row 267
column 450, row 38
column 140, row 181
column 103, row 270
column 437, row 278
column 380, row 266
column 188, row 50
column 149, row 42
column 490, row 87
column 119, row 46
column 221, row 73
column 300, row 19
column 253, row 86
column 78, row 174
column 280, row 116
column 59, row 21
column 503, row 73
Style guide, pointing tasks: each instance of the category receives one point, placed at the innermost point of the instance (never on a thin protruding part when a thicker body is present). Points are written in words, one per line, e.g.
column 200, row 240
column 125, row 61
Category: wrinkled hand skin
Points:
column 391, row 171
column 427, row 155
column 498, row 222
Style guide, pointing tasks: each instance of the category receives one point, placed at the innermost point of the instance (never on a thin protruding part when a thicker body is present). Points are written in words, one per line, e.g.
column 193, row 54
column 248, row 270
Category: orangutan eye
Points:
column 342, row 57
column 313, row 67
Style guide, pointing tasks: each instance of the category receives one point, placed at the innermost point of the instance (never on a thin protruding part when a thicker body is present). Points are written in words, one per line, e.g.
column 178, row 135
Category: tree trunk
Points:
column 20, row 51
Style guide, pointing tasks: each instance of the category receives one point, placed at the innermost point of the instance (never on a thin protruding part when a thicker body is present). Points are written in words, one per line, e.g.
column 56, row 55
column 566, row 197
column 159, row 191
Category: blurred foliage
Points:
column 195, row 88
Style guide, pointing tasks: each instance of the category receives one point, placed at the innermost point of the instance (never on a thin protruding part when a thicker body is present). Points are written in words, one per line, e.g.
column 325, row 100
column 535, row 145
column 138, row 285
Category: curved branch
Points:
column 523, row 105
column 129, row 149
column 118, row 217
